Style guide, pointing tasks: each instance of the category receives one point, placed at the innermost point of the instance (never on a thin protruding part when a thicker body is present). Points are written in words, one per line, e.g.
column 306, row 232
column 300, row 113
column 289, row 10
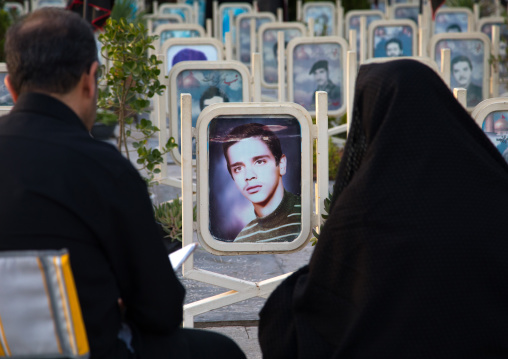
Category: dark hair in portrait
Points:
column 461, row 58
column 394, row 41
column 73, row 51
column 321, row 64
column 453, row 28
column 212, row 92
column 256, row 130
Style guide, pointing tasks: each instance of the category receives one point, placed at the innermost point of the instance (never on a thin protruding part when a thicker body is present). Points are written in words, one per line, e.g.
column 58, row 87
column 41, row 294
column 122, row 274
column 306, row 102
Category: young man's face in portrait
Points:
column 254, row 170
column 320, row 76
column 462, row 73
column 393, row 50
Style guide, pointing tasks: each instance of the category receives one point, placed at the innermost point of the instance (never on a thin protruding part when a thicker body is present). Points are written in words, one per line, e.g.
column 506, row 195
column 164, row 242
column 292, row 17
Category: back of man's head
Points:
column 48, row 51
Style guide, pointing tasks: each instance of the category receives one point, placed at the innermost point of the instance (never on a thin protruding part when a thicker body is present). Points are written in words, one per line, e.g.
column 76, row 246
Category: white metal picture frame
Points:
column 336, row 70
column 177, row 31
column 184, row 9
column 154, row 22
column 324, row 15
column 491, row 116
column 267, row 47
column 237, row 8
column 191, row 43
column 253, row 110
column 405, row 11
column 243, row 22
column 372, row 14
column 194, row 68
column 463, row 19
column 478, row 50
column 405, row 33
column 5, row 96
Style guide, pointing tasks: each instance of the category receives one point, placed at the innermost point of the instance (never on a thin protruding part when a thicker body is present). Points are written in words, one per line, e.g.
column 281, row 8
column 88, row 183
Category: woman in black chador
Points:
column 413, row 259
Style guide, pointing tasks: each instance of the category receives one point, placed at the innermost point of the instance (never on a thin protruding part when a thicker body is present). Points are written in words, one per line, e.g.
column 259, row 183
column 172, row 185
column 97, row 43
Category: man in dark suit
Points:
column 60, row 188
column 462, row 70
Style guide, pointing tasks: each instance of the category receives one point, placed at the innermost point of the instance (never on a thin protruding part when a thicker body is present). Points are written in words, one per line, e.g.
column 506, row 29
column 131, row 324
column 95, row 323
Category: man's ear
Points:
column 282, row 165
column 14, row 94
column 89, row 81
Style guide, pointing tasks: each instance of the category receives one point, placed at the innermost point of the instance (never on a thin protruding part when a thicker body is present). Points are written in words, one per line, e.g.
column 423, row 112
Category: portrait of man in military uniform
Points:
column 323, row 83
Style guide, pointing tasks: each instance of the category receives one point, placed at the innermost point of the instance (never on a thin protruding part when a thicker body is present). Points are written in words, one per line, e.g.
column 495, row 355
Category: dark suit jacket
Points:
column 60, row 188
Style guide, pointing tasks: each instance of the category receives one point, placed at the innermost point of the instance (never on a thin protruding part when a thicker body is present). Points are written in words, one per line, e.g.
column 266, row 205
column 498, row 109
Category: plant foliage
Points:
column 324, row 215
column 126, row 87
column 169, row 216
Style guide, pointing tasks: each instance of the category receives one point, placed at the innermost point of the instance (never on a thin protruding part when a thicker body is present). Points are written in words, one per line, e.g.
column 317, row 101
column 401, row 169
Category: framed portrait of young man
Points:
column 469, row 67
column 183, row 10
column 392, row 38
column 243, row 40
column 254, row 177
column 324, row 14
column 208, row 82
column 353, row 22
column 267, row 40
column 492, row 116
column 317, row 64
column 485, row 26
column 225, row 9
column 406, row 11
column 192, row 49
column 6, row 101
column 452, row 20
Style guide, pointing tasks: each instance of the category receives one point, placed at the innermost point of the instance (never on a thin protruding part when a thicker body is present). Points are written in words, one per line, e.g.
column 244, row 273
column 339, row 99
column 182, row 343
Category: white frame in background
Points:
column 36, row 4
column 318, row 40
column 4, row 110
column 150, row 19
column 186, row 9
column 395, row 7
column 493, row 20
column 391, row 23
column 332, row 13
column 191, row 41
column 277, row 26
column 455, row 10
column 18, row 6
column 172, row 92
column 246, row 6
column 361, row 13
column 434, row 40
column 252, row 110
column 176, row 27
column 255, row 16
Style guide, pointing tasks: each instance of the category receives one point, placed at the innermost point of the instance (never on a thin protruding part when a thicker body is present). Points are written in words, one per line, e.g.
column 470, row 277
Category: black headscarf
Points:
column 413, row 259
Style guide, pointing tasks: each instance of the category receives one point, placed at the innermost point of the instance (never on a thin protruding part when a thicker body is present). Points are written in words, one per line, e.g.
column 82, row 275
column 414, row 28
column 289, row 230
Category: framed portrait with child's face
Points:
column 243, row 40
column 252, row 174
column 323, row 14
column 317, row 64
column 392, row 38
column 208, row 83
column 269, row 48
column 469, row 65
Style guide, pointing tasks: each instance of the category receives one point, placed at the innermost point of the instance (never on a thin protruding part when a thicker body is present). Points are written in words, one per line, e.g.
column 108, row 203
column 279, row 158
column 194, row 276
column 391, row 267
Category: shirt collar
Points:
column 47, row 106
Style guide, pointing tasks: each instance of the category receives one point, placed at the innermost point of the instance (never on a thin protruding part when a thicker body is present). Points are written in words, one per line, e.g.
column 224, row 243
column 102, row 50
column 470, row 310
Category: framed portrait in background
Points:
column 154, row 21
column 6, row 101
column 485, row 26
column 452, row 20
column 194, row 49
column 317, row 64
column 353, row 23
column 406, row 11
column 14, row 8
column 49, row 3
column 254, row 163
column 182, row 10
column 323, row 14
column 178, row 31
column 469, row 65
column 208, row 83
column 199, row 18
column 268, row 42
column 392, row 38
column 243, row 40
column 492, row 117
column 224, row 11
